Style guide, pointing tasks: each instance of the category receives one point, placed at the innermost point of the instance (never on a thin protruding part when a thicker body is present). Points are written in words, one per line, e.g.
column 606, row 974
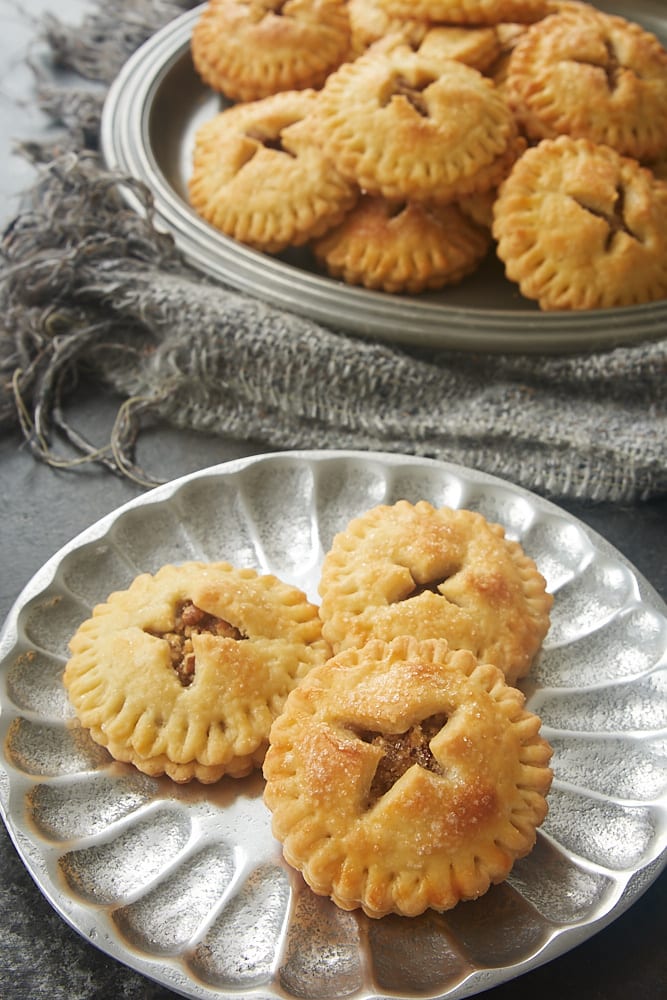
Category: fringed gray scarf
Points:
column 92, row 289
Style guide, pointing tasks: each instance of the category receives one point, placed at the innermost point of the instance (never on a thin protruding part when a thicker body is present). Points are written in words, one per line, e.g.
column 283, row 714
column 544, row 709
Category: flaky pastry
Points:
column 467, row 11
column 249, row 49
column 414, row 569
column 578, row 226
column 183, row 673
column 259, row 177
column 403, row 126
column 404, row 776
column 475, row 46
column 591, row 75
column 403, row 247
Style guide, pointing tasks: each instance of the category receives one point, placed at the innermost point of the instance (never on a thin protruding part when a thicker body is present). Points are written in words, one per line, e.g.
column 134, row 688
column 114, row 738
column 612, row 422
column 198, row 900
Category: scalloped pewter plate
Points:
column 186, row 885
column 150, row 116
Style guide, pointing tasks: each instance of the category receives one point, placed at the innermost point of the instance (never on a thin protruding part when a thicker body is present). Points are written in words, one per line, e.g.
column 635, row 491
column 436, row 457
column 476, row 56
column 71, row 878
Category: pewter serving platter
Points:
column 186, row 885
column 150, row 117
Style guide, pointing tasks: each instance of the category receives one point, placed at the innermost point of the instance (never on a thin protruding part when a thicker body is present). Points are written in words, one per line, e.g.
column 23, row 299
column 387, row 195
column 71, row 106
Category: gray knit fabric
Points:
column 89, row 286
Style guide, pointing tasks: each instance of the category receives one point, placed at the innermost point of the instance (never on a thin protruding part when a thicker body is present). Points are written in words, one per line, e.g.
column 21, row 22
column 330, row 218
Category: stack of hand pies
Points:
column 403, row 771
column 401, row 139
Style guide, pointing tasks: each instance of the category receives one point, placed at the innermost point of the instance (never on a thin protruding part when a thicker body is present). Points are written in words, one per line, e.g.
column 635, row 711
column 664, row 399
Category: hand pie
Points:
column 434, row 573
column 467, row 11
column 249, row 49
column 594, row 76
column 404, row 776
column 578, row 226
column 403, row 246
column 259, row 176
column 475, row 46
column 184, row 672
column 386, row 121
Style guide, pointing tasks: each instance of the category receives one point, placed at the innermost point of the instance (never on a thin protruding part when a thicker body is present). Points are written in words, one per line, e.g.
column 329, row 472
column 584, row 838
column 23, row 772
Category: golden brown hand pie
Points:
column 184, row 672
column 404, row 776
column 591, row 75
column 403, row 246
column 581, row 227
column 259, row 176
column 249, row 49
column 387, row 121
column 413, row 569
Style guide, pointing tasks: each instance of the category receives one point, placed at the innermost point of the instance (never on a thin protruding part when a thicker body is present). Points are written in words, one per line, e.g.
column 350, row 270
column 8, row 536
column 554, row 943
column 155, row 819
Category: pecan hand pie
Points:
column 581, row 227
column 386, row 121
column 426, row 572
column 249, row 49
column 259, row 177
column 404, row 776
column 403, row 246
column 591, row 75
column 184, row 672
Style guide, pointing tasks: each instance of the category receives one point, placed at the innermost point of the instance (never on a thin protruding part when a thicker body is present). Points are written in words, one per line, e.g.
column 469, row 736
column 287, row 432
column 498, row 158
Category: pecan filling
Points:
column 612, row 66
column 274, row 142
column 615, row 220
column 431, row 585
column 401, row 751
column 412, row 94
column 191, row 620
column 428, row 586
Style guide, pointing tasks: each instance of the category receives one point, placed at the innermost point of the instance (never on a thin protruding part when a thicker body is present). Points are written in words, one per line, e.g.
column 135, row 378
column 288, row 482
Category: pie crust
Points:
column 578, row 226
column 183, row 673
column 591, row 75
column 467, row 11
column 259, row 177
column 386, row 121
column 403, row 246
column 405, row 776
column 427, row 572
column 249, row 49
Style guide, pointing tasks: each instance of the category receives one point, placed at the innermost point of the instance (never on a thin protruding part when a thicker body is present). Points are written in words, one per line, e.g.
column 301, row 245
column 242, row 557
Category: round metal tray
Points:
column 186, row 885
column 150, row 116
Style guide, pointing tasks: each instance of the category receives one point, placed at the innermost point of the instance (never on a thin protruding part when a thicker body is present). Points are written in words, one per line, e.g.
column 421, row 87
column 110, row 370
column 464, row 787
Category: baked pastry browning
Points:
column 477, row 47
column 405, row 776
column 427, row 572
column 581, row 227
column 369, row 23
column 387, row 121
column 259, row 177
column 249, row 49
column 402, row 246
column 184, row 672
column 467, row 11
column 591, row 75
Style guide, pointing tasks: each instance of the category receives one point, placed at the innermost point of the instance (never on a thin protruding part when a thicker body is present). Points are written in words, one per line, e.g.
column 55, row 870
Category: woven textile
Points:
column 91, row 288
